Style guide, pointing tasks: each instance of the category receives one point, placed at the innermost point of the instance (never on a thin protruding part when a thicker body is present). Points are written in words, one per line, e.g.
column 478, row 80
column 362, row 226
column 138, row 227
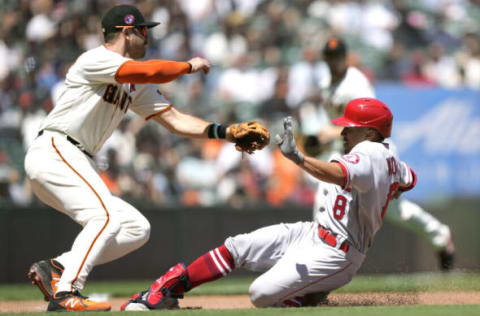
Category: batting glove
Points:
column 286, row 142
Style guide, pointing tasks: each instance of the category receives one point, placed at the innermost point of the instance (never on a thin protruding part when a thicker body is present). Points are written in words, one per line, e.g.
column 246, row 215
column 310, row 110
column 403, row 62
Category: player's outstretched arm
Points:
column 183, row 124
column 247, row 136
column 158, row 71
column 326, row 171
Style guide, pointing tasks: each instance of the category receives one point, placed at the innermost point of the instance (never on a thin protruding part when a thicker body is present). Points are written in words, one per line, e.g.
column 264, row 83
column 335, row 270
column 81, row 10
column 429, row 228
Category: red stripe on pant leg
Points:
column 101, row 202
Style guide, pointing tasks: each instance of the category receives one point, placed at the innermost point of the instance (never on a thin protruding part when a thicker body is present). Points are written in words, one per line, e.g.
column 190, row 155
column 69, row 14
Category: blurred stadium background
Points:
column 422, row 56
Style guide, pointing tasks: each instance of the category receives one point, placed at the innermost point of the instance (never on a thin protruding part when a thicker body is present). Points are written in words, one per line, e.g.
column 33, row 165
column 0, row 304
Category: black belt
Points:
column 74, row 142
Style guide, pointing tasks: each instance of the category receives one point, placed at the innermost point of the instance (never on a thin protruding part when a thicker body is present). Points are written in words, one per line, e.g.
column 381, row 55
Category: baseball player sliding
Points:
column 100, row 87
column 342, row 84
column 304, row 261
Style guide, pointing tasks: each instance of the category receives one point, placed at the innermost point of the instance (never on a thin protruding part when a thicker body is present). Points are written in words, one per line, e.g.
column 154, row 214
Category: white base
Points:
column 136, row 307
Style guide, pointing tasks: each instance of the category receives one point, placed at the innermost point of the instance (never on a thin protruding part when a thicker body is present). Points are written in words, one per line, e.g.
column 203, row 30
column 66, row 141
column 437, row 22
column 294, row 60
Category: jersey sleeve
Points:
column 357, row 170
column 408, row 177
column 99, row 66
column 149, row 101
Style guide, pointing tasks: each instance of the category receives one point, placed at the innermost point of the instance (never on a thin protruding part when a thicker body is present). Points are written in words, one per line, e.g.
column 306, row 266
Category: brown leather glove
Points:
column 250, row 136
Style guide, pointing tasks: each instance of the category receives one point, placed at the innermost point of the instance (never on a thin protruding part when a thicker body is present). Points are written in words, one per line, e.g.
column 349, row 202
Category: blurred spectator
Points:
column 11, row 188
column 468, row 60
column 266, row 64
column 416, row 75
column 441, row 68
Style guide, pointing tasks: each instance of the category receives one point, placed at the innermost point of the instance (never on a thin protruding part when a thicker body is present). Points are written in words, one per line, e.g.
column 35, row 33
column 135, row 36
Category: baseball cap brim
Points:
column 148, row 24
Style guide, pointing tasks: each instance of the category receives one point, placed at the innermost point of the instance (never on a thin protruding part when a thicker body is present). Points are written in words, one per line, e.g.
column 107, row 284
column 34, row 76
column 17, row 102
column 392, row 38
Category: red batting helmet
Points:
column 367, row 112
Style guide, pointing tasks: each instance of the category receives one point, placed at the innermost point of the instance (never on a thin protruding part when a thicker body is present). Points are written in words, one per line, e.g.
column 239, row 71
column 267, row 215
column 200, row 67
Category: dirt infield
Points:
column 242, row 301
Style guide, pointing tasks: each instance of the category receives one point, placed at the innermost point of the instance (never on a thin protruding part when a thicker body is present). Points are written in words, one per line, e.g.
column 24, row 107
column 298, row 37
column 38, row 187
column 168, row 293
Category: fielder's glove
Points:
column 249, row 136
column 287, row 144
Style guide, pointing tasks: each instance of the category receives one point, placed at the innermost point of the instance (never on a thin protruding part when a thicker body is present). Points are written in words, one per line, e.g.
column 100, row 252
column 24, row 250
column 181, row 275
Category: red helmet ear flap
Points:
column 367, row 112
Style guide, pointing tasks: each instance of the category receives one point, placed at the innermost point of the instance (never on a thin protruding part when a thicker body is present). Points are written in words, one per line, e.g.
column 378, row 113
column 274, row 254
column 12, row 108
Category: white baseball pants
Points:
column 296, row 261
column 64, row 178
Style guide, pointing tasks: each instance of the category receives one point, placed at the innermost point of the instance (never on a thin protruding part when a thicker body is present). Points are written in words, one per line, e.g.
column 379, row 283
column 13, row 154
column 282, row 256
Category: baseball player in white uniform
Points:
column 100, row 87
column 337, row 88
column 304, row 259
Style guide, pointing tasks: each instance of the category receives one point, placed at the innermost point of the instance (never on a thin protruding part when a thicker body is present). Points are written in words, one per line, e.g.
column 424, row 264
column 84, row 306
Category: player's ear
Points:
column 126, row 31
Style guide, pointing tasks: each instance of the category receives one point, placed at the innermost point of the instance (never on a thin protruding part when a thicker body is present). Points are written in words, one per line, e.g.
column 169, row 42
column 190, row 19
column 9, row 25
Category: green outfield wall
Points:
column 181, row 234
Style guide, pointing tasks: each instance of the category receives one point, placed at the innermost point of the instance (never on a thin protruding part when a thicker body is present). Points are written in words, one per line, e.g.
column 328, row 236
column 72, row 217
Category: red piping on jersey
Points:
column 151, row 71
column 412, row 184
column 314, row 282
column 101, row 202
column 345, row 174
column 159, row 112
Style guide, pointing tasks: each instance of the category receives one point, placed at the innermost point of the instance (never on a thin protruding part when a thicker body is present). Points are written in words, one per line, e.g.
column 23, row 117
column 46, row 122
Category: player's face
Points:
column 137, row 43
column 337, row 64
column 352, row 136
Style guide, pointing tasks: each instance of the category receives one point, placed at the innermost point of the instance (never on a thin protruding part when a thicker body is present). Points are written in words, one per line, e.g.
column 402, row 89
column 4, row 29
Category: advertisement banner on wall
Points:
column 437, row 132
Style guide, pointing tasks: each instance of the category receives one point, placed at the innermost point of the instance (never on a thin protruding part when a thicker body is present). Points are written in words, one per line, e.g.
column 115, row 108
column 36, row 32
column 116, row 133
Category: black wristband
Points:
column 190, row 67
column 222, row 131
column 215, row 130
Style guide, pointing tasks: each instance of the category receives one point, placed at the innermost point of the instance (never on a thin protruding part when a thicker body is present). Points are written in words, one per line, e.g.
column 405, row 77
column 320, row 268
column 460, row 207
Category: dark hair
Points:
column 335, row 47
column 379, row 138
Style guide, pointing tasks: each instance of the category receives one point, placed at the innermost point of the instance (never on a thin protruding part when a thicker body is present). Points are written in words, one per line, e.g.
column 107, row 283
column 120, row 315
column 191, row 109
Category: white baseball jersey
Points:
column 92, row 103
column 89, row 108
column 355, row 213
column 352, row 86
column 335, row 97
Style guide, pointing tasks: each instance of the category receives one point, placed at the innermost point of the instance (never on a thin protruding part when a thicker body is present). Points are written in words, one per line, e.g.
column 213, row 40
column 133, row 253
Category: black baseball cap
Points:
column 124, row 15
column 335, row 47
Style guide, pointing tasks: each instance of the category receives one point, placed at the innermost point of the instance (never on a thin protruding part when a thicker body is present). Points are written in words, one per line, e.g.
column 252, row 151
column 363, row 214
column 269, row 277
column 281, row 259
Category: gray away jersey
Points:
column 355, row 213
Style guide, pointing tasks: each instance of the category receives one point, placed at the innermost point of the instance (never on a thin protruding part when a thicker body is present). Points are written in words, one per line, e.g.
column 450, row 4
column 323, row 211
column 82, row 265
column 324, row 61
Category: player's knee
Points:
column 258, row 295
column 139, row 231
column 113, row 225
column 143, row 230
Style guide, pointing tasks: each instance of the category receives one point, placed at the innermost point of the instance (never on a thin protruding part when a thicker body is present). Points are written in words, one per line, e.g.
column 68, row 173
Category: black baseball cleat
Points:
column 446, row 256
column 311, row 299
column 446, row 260
column 45, row 274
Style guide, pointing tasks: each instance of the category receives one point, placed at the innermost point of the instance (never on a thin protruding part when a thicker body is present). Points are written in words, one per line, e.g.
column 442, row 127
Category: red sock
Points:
column 213, row 265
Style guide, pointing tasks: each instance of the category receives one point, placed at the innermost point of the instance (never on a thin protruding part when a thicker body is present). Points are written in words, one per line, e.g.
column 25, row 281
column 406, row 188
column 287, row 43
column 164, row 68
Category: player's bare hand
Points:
column 198, row 64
